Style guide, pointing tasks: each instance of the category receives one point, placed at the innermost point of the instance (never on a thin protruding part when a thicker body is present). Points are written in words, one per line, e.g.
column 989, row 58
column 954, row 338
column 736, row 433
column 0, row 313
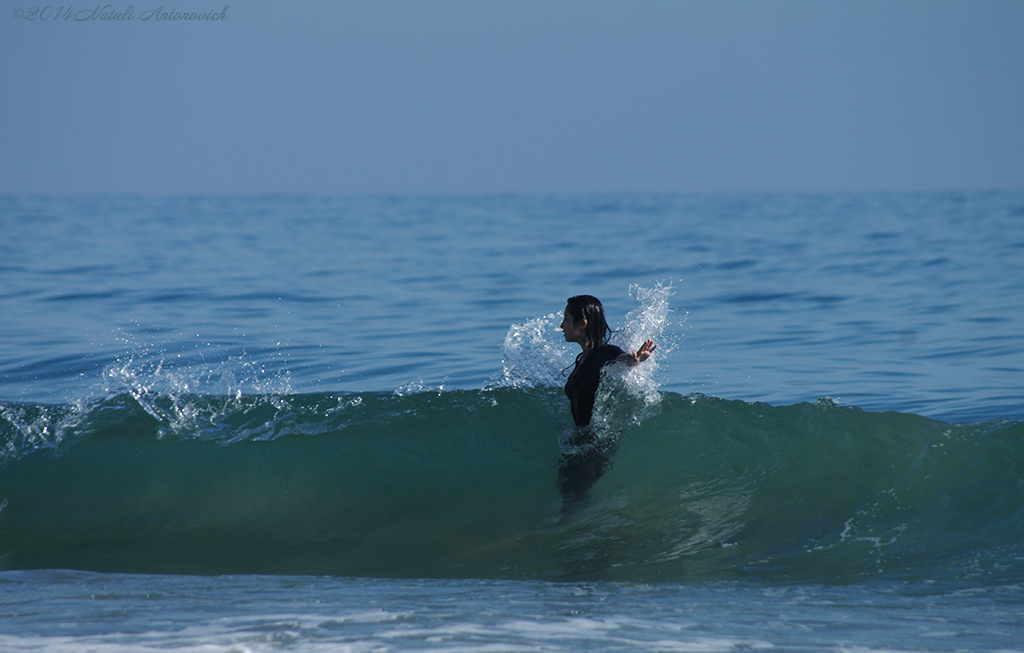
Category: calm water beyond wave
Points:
column 310, row 423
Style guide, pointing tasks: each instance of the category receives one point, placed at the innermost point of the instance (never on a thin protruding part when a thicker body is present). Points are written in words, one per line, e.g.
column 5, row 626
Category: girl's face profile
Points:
column 574, row 331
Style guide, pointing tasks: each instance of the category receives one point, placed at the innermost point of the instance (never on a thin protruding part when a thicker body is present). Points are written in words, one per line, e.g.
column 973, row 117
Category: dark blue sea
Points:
column 306, row 423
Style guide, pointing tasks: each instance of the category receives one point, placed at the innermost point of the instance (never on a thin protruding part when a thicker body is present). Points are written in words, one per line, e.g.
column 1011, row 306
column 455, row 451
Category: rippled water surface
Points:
column 907, row 302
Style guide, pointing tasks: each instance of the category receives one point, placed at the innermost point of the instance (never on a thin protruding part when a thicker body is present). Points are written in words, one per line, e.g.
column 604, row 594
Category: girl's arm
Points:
column 638, row 356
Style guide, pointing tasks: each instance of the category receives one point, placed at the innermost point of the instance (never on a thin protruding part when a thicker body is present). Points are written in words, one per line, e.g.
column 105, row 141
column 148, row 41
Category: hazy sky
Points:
column 518, row 95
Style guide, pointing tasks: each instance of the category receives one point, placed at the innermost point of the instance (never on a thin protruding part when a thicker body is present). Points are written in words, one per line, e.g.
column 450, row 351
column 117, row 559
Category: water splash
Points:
column 196, row 398
column 25, row 428
column 632, row 392
column 535, row 354
column 418, row 386
column 532, row 355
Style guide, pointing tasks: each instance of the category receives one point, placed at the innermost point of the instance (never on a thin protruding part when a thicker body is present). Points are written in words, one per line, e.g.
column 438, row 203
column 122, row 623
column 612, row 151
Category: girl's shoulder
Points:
column 608, row 353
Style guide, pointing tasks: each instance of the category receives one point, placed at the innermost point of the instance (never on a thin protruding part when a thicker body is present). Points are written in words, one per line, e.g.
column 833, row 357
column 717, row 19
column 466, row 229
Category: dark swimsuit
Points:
column 581, row 468
column 581, row 387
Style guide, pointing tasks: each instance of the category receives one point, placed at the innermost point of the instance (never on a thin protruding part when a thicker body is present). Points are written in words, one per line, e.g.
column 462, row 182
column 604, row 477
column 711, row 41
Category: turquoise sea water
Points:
column 316, row 423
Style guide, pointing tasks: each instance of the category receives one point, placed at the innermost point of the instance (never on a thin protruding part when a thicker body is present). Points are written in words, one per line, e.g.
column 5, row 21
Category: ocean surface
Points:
column 304, row 423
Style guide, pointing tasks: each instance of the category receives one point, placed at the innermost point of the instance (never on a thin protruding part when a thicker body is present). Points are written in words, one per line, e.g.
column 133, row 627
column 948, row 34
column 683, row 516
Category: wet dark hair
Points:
column 589, row 308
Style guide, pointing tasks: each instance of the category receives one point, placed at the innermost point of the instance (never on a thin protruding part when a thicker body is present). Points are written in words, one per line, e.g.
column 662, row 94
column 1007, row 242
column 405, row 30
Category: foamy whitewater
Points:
column 313, row 423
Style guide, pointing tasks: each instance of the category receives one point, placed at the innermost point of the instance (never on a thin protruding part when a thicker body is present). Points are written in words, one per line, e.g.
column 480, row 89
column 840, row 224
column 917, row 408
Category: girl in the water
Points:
column 585, row 325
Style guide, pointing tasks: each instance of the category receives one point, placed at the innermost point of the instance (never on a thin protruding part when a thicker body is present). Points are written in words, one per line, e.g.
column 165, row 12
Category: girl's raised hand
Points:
column 645, row 351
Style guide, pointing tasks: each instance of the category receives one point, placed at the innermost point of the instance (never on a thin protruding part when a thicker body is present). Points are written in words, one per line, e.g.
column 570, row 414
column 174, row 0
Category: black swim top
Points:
column 581, row 387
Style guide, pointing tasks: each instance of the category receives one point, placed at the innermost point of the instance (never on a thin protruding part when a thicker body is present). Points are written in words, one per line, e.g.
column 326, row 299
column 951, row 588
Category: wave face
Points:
column 462, row 484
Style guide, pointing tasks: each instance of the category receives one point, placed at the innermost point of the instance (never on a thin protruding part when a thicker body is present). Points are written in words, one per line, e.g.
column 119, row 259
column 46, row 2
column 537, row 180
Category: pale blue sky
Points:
column 403, row 96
